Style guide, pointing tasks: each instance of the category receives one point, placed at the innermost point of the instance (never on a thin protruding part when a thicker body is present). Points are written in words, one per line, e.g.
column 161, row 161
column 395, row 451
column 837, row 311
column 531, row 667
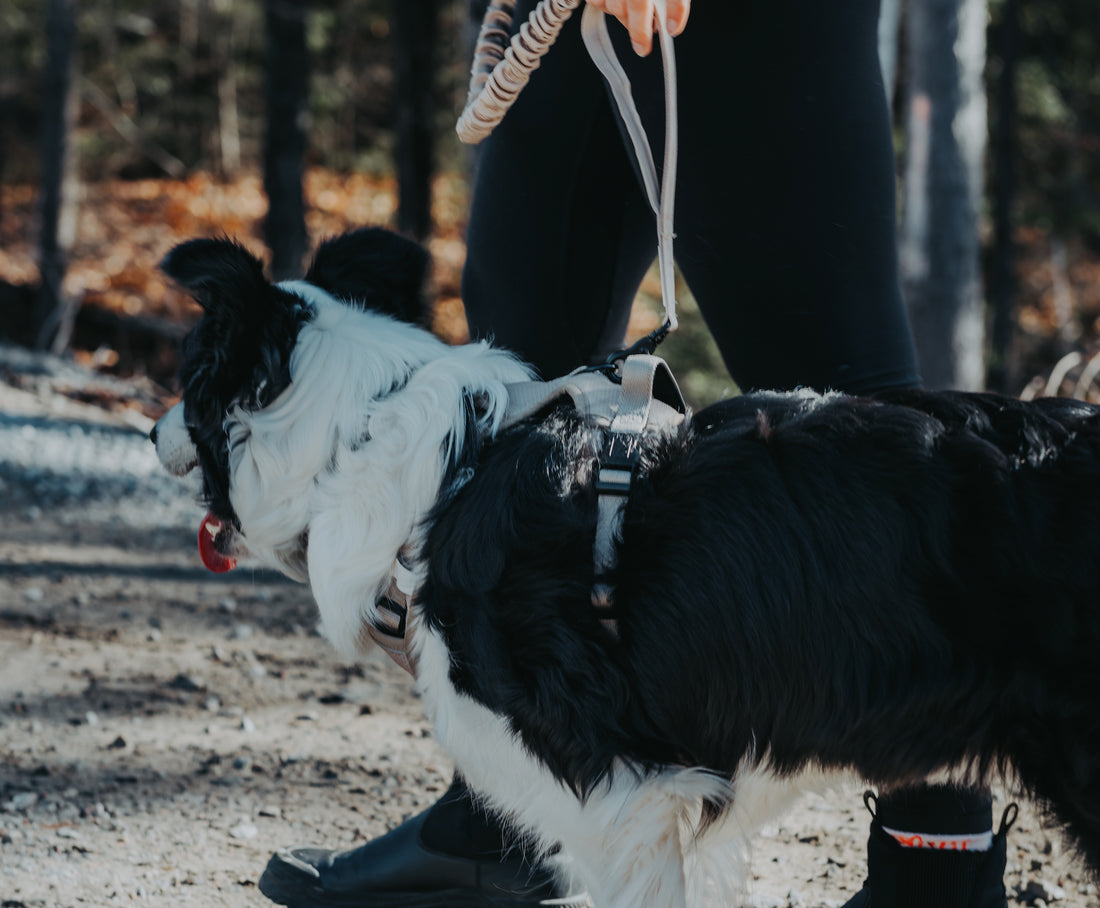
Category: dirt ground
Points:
column 163, row 730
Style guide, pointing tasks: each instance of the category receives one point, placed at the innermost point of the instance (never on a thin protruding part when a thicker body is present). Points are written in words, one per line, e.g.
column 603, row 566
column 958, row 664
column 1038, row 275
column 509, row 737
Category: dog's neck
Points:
column 391, row 461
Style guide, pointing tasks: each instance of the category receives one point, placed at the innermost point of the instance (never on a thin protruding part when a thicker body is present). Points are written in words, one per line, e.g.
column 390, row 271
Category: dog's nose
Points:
column 153, row 434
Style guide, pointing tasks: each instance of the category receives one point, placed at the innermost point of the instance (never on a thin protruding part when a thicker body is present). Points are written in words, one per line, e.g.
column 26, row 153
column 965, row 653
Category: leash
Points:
column 502, row 68
column 661, row 195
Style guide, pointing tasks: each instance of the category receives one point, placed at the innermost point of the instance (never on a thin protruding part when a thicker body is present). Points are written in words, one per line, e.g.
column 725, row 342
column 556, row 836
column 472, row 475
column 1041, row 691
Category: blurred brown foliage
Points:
column 126, row 227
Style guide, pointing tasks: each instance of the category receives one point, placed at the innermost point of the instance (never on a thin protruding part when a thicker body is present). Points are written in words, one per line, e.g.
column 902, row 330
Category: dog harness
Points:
column 639, row 397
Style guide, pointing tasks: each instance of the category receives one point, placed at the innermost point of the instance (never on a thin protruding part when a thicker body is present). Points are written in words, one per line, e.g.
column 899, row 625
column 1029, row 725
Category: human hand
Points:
column 637, row 16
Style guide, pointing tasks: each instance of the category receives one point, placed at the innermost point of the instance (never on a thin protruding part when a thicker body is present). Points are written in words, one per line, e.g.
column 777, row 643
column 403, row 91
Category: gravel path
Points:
column 163, row 729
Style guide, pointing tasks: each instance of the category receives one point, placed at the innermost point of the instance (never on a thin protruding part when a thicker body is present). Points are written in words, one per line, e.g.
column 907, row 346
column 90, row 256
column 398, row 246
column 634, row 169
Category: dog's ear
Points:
column 376, row 269
column 217, row 273
column 240, row 349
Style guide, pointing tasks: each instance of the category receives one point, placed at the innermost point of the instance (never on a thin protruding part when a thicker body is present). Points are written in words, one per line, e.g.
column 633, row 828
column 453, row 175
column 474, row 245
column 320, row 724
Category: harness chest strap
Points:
column 628, row 409
column 638, row 411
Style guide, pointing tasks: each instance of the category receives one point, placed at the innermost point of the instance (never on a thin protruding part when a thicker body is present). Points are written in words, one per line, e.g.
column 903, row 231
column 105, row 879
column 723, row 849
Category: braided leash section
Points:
column 492, row 42
column 502, row 68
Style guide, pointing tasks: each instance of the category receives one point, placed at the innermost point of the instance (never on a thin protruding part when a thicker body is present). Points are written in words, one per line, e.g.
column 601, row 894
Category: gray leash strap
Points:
column 501, row 70
column 662, row 194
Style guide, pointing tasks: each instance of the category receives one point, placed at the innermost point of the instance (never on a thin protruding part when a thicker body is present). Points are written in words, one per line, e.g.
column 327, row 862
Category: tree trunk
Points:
column 7, row 118
column 1003, row 375
column 229, row 128
column 285, row 140
column 415, row 32
column 939, row 245
column 190, row 128
column 889, row 27
column 55, row 312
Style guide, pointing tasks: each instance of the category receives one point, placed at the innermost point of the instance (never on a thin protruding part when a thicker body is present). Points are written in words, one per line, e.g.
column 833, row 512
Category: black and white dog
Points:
column 806, row 584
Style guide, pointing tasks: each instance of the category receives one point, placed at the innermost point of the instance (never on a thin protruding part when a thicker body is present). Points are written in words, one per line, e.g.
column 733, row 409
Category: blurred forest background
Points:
column 127, row 126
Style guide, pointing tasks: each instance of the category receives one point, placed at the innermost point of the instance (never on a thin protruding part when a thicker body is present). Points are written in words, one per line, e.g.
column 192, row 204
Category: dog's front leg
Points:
column 622, row 842
column 628, row 849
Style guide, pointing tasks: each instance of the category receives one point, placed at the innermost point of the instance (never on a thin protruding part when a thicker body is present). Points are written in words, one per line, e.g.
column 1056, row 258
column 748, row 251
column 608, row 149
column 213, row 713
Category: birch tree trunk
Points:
column 889, row 27
column 55, row 312
column 939, row 242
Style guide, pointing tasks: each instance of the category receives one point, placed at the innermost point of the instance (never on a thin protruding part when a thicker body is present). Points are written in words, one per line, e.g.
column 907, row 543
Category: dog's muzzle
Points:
column 175, row 450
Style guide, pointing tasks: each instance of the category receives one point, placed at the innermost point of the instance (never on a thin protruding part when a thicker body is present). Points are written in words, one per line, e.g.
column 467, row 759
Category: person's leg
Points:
column 935, row 845
column 560, row 235
column 786, row 234
column 785, row 212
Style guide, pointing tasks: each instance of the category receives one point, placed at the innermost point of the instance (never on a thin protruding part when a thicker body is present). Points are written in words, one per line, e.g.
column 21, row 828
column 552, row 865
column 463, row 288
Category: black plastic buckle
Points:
column 612, row 366
column 647, row 344
column 392, row 617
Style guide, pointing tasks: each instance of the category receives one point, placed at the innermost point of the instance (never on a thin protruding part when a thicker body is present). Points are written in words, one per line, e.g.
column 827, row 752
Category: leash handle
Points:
column 501, row 67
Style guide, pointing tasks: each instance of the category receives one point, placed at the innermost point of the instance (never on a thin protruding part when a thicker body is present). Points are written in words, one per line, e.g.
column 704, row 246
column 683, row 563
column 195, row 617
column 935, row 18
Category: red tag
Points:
column 213, row 559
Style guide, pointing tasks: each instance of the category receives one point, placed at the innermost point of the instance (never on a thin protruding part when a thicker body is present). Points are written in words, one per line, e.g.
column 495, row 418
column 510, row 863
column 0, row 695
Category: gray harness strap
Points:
column 598, row 397
column 638, row 411
column 629, row 409
column 594, row 396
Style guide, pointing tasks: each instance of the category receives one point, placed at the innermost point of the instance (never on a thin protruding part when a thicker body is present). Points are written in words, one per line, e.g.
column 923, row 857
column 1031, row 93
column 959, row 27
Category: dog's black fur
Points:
column 892, row 585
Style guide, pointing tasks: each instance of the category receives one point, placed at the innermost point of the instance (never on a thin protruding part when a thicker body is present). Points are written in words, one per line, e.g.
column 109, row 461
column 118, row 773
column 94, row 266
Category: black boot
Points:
column 907, row 877
column 449, row 855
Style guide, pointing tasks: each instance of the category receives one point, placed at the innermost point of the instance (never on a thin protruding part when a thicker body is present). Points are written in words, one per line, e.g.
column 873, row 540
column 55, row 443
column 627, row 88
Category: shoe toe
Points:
column 307, row 861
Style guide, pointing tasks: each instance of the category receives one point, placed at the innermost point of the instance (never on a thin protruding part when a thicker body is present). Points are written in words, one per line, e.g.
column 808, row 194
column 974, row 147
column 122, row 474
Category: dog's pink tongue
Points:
column 213, row 559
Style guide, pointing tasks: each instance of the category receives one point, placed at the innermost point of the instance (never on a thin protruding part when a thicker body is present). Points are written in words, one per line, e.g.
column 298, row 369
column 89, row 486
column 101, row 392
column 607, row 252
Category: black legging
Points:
column 785, row 215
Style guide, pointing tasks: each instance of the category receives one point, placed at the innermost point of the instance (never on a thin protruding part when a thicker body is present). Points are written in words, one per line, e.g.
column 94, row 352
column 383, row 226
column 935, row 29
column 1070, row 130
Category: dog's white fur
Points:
column 304, row 465
column 175, row 449
column 637, row 839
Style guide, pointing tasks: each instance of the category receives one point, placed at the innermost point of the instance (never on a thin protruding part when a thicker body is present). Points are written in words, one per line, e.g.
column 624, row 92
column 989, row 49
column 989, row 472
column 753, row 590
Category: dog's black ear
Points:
column 216, row 272
column 376, row 269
